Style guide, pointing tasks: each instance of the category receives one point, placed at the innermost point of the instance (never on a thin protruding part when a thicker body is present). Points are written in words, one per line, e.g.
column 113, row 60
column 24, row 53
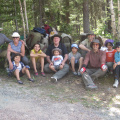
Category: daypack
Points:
column 33, row 37
column 40, row 30
column 47, row 28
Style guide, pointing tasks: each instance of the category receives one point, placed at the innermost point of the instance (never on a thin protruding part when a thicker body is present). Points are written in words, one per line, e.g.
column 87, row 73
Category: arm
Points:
column 83, row 47
column 22, row 50
column 65, row 59
column 10, row 49
column 42, row 54
column 49, row 61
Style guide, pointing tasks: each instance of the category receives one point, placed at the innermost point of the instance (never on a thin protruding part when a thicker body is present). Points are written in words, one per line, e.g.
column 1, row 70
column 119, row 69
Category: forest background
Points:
column 72, row 17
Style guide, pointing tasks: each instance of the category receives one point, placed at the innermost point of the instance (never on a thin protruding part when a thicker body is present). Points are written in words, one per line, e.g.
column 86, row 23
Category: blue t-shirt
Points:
column 16, row 48
column 117, row 57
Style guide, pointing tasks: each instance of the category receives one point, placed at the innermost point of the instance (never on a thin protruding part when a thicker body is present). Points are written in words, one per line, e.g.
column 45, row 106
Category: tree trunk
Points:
column 40, row 13
column 67, row 11
column 113, row 25
column 86, row 25
column 26, row 17
column 119, row 20
column 21, row 11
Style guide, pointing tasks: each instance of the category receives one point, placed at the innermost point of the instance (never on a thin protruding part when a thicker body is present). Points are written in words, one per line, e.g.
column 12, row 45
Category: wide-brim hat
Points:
column 117, row 44
column 109, row 41
column 56, row 49
column 15, row 34
column 90, row 33
column 95, row 41
column 56, row 35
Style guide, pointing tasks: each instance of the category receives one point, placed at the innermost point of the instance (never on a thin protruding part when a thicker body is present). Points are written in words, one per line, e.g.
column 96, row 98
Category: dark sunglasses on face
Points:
column 15, row 37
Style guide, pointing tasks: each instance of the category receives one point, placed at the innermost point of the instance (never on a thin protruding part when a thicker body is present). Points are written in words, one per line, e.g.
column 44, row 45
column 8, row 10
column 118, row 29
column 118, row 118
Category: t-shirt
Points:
column 18, row 67
column 57, row 60
column 51, row 47
column 39, row 52
column 77, row 56
column 86, row 43
column 117, row 57
column 110, row 55
column 16, row 48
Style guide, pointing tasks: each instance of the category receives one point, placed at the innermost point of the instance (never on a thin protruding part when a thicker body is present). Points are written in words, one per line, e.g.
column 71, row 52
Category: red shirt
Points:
column 110, row 55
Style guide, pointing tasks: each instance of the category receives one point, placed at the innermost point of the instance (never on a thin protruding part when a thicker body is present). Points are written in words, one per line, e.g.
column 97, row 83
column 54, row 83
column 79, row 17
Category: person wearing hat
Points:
column 57, row 44
column 93, row 65
column 110, row 54
column 116, row 65
column 16, row 46
column 85, row 44
column 75, row 59
column 57, row 60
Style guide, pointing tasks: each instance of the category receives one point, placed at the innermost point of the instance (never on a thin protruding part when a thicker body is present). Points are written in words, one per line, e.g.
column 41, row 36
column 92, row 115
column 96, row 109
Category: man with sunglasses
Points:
column 93, row 65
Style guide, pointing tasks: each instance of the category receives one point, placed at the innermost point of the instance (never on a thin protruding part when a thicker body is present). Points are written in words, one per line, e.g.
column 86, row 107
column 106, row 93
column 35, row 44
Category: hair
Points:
column 17, row 54
column 110, row 44
column 56, row 50
column 36, row 44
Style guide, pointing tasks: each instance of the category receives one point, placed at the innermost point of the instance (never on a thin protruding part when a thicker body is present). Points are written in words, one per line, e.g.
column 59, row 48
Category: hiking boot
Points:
column 30, row 79
column 115, row 85
column 91, row 87
column 74, row 73
column 53, row 79
column 20, row 82
column 36, row 74
column 43, row 74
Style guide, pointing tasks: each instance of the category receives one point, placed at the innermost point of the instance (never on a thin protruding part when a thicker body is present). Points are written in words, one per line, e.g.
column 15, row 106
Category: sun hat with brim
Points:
column 1, row 29
column 74, row 45
column 56, row 49
column 95, row 41
column 15, row 34
column 90, row 33
column 109, row 41
column 117, row 44
column 56, row 35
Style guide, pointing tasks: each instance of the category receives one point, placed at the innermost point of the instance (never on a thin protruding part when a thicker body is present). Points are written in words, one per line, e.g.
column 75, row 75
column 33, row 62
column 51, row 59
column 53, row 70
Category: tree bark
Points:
column 86, row 25
column 40, row 13
column 21, row 11
column 119, row 20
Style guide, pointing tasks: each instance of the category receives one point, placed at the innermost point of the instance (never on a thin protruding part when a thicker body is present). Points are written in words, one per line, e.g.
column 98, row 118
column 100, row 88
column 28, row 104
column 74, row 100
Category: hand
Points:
column 104, row 67
column 82, row 70
column 51, row 63
column 63, row 63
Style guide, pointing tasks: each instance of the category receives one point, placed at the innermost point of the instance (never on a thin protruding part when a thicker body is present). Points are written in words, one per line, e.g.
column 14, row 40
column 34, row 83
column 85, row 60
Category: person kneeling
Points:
column 19, row 69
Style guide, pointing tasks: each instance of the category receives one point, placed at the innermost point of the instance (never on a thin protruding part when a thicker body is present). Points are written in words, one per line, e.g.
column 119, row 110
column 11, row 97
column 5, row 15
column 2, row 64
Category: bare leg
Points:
column 42, row 63
column 61, row 67
column 52, row 68
column 34, row 63
column 16, row 73
column 25, row 70
column 73, row 63
column 80, row 63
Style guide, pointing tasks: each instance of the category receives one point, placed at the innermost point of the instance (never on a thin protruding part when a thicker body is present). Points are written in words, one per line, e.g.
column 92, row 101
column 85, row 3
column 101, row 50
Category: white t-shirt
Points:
column 19, row 67
column 57, row 60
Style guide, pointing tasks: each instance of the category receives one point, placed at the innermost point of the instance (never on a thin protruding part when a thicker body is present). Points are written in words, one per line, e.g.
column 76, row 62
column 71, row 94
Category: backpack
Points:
column 47, row 28
column 40, row 30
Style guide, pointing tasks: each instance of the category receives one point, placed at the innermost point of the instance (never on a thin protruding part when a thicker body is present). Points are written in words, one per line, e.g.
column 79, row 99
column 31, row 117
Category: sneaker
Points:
column 20, row 82
column 43, row 74
column 79, row 74
column 36, row 74
column 115, row 85
column 74, row 73
column 30, row 79
column 91, row 87
column 111, row 72
column 53, row 79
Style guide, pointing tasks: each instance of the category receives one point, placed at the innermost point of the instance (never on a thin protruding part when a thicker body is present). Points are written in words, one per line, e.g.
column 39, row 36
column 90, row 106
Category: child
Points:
column 75, row 59
column 19, row 69
column 57, row 60
column 110, row 54
column 116, row 65
column 37, row 55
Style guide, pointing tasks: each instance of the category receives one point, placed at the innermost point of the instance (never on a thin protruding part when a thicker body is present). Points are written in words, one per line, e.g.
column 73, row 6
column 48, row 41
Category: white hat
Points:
column 1, row 29
column 15, row 34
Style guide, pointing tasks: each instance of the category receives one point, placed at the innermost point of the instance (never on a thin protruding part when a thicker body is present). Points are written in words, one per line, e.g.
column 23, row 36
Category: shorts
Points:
column 21, row 73
column 56, row 67
column 76, row 65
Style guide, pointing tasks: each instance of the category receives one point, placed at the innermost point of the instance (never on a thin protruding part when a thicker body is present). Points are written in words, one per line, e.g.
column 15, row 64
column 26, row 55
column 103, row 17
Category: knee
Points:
column 72, row 58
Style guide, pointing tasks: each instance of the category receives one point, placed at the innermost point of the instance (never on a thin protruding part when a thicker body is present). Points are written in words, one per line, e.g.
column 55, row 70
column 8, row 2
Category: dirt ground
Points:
column 65, row 100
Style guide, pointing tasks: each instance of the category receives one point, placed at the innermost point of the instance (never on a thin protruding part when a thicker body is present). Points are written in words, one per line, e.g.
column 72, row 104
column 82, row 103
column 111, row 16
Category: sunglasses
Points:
column 118, row 47
column 15, row 37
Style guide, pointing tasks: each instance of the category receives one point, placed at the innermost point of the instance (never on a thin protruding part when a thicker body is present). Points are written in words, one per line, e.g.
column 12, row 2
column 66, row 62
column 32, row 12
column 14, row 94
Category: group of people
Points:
column 91, row 63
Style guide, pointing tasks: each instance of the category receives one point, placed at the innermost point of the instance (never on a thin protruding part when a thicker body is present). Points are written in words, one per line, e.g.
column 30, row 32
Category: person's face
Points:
column 74, row 50
column 109, row 46
column 16, row 39
column 17, row 59
column 118, row 49
column 91, row 37
column 37, row 48
column 56, row 40
column 56, row 53
column 95, row 46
